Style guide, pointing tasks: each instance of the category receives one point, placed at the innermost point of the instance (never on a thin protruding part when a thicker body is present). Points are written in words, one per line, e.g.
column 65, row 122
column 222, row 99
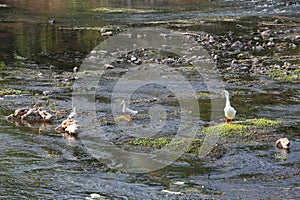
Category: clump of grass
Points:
column 173, row 144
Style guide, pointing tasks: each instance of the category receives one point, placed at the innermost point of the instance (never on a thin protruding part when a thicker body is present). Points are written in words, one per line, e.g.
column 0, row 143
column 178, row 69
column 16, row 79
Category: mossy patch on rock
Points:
column 172, row 144
column 9, row 91
column 239, row 132
column 240, row 127
column 285, row 75
column 150, row 142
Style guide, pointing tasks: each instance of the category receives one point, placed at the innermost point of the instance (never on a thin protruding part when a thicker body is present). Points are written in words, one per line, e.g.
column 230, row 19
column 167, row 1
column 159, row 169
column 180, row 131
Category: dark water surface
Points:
column 36, row 163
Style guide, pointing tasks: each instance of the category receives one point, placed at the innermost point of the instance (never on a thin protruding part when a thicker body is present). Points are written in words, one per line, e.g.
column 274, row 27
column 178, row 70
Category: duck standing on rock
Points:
column 229, row 111
column 127, row 111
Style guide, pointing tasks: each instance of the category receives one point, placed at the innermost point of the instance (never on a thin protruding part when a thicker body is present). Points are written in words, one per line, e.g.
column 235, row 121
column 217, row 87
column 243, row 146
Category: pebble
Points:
column 265, row 34
column 52, row 21
column 292, row 46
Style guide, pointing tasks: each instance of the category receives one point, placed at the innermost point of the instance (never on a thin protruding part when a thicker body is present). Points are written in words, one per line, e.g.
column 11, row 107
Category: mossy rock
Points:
column 242, row 127
column 285, row 75
column 150, row 142
column 241, row 131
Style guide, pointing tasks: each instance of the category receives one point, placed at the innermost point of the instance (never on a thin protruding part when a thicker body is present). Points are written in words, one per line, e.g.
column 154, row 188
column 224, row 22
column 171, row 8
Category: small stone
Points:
column 52, row 67
column 109, row 66
column 237, row 45
column 52, row 21
column 266, row 34
column 292, row 46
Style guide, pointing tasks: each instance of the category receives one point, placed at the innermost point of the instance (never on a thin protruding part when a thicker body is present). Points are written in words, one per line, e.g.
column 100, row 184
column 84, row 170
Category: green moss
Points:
column 173, row 144
column 263, row 123
column 9, row 91
column 280, row 157
column 206, row 95
column 150, row 142
column 193, row 145
column 284, row 75
column 225, row 129
column 190, row 68
column 240, row 126
column 2, row 64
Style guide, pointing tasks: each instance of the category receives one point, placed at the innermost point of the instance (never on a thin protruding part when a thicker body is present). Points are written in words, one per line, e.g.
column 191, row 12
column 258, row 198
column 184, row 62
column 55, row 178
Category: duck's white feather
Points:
column 229, row 111
column 128, row 110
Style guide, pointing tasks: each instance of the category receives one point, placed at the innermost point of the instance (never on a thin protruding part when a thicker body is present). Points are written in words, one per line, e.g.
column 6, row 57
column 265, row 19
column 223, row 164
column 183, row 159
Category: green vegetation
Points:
column 225, row 129
column 190, row 68
column 192, row 146
column 174, row 144
column 2, row 64
column 284, row 75
column 150, row 142
column 263, row 123
column 241, row 127
column 9, row 91
column 282, row 158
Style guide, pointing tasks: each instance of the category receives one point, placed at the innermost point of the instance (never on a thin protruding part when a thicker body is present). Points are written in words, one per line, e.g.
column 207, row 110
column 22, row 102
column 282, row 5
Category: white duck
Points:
column 126, row 110
column 73, row 114
column 228, row 110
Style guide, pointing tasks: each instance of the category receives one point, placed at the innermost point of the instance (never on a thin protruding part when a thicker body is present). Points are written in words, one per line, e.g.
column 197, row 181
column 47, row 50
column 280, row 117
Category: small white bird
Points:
column 126, row 110
column 75, row 70
column 228, row 110
column 73, row 114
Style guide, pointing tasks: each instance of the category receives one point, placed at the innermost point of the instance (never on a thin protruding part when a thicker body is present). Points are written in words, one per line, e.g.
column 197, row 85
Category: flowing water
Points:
column 37, row 163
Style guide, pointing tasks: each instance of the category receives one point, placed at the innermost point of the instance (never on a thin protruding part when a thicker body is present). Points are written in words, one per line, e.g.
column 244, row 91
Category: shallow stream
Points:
column 42, row 42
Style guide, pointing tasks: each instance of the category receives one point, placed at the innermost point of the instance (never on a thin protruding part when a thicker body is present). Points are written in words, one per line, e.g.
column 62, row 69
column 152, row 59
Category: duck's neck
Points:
column 124, row 108
column 227, row 101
